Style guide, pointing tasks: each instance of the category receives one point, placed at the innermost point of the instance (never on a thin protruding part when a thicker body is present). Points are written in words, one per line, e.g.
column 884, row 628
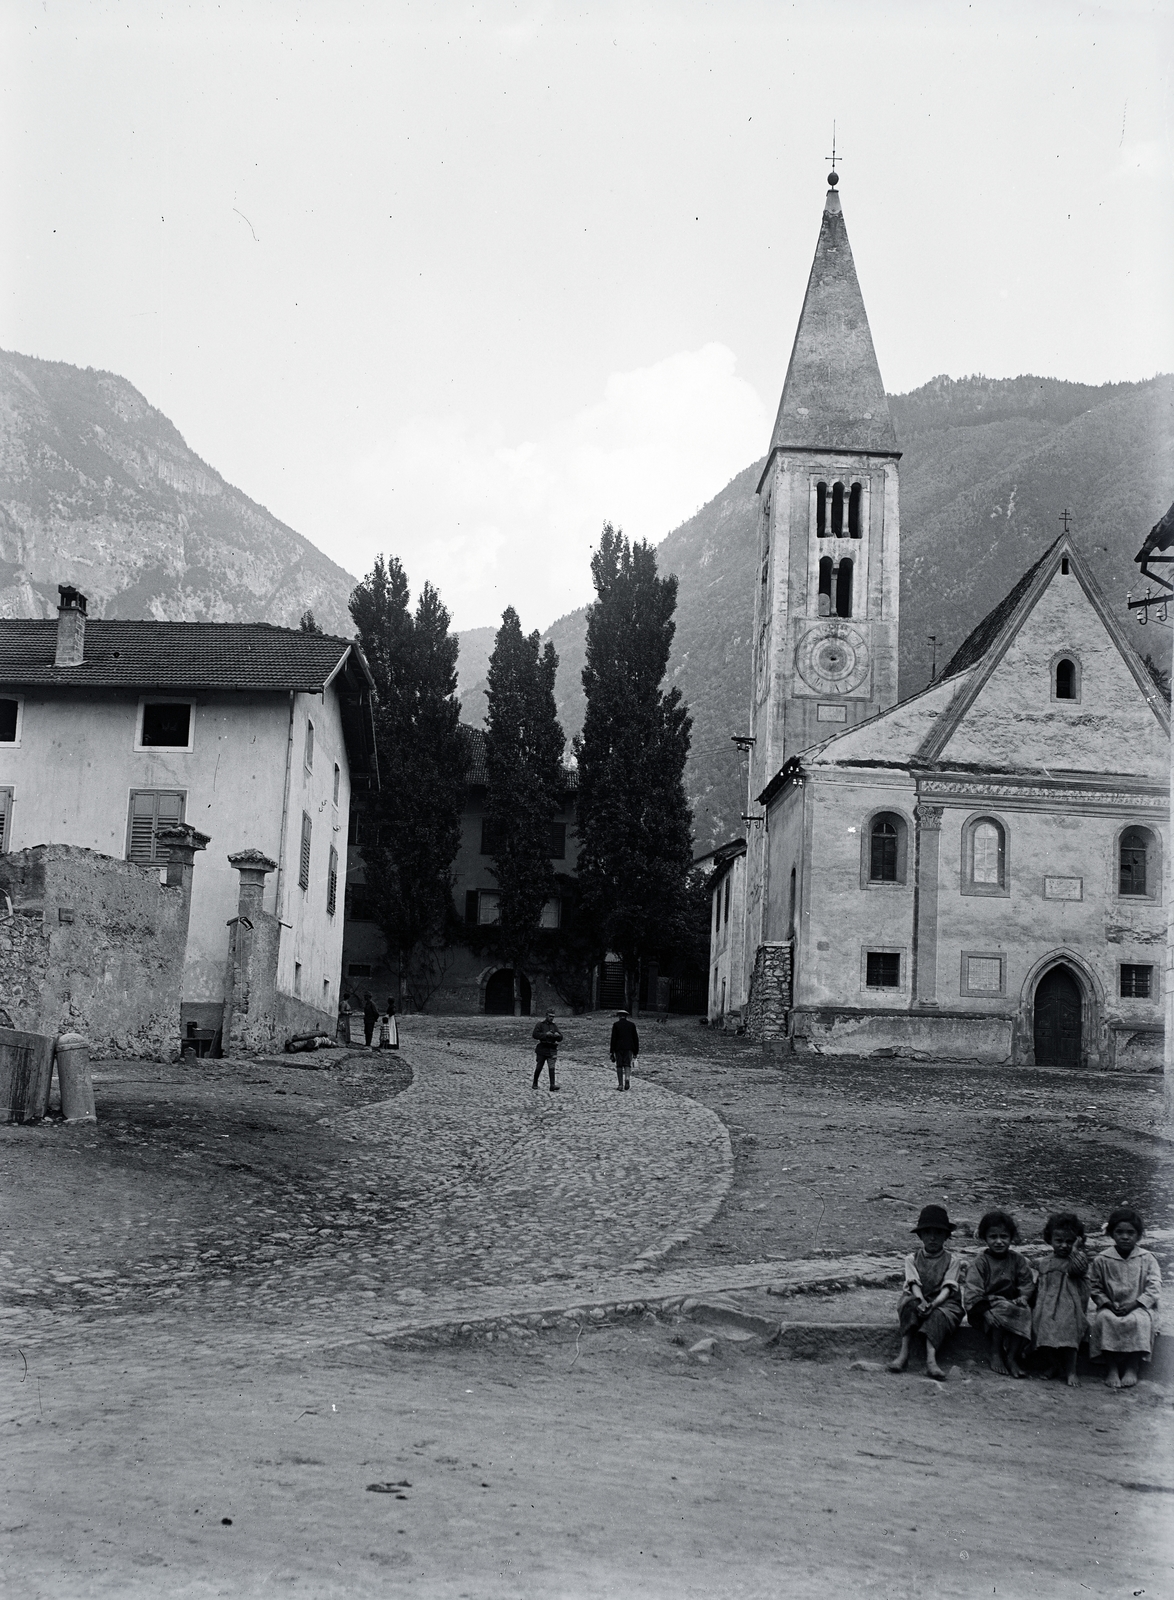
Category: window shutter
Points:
column 304, row 873
column 151, row 809
column 309, row 747
column 5, row 811
column 332, row 883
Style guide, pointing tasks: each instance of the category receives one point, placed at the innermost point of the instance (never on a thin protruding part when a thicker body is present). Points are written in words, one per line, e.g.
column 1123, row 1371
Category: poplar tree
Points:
column 423, row 759
column 635, row 825
column 523, row 755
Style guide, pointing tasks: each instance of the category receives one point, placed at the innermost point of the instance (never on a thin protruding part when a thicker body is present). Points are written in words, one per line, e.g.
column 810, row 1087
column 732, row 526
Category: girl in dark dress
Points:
column 998, row 1294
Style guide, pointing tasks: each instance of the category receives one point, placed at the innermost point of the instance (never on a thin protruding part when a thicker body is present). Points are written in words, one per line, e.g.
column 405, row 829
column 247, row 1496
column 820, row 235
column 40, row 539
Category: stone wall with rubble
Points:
column 768, row 1006
column 93, row 945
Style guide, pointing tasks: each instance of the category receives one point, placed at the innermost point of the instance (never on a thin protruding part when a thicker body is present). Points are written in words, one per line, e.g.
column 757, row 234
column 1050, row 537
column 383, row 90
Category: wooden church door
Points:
column 1057, row 1020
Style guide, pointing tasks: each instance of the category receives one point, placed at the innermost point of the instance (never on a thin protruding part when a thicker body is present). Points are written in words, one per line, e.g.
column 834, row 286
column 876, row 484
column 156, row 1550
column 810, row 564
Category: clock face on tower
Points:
column 832, row 659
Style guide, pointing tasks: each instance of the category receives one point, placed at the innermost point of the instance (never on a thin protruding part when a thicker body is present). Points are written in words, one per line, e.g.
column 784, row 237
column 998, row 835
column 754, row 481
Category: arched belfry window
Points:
column 837, row 510
column 1066, row 684
column 821, row 510
column 1137, row 863
column 825, row 586
column 855, row 498
column 844, row 588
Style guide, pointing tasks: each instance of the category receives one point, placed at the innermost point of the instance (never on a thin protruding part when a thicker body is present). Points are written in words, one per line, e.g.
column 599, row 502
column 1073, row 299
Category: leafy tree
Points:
column 523, row 755
column 307, row 623
column 635, row 825
column 416, row 814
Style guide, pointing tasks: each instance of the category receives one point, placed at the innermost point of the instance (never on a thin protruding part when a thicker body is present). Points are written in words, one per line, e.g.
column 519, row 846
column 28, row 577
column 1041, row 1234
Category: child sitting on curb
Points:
column 931, row 1300
column 998, row 1293
column 1125, row 1288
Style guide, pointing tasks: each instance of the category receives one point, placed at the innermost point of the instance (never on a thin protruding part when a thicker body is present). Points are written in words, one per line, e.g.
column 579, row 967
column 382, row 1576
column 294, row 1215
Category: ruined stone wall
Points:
column 769, row 1006
column 94, row 946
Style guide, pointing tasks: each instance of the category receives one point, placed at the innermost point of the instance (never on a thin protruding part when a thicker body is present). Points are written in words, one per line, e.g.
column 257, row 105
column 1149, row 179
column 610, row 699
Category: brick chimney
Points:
column 71, row 627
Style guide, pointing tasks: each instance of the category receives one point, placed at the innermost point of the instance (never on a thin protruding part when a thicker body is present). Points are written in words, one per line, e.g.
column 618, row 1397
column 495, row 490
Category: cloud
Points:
column 493, row 522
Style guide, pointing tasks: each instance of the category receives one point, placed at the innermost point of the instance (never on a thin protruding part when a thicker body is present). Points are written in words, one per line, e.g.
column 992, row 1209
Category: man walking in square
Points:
column 547, row 1040
column 625, row 1043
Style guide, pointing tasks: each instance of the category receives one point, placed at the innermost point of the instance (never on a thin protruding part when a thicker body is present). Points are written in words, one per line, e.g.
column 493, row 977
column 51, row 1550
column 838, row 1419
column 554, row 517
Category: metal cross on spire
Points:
column 1065, row 518
column 833, row 177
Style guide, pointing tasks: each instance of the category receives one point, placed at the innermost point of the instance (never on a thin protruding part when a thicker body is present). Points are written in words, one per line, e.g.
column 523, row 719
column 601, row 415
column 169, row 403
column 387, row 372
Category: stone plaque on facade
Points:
column 984, row 974
column 831, row 714
column 1063, row 888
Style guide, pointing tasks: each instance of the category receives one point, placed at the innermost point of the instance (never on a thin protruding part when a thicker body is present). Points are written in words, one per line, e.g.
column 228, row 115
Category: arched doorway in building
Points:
column 499, row 994
column 1059, row 1003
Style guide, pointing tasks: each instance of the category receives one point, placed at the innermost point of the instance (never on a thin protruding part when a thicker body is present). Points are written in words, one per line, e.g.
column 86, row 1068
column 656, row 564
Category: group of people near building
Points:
column 623, row 1047
column 1110, row 1297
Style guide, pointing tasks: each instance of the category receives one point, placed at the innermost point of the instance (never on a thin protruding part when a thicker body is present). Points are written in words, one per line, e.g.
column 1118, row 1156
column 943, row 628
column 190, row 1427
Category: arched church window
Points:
column 837, row 510
column 825, row 586
column 884, row 849
column 1137, row 854
column 821, row 510
column 844, row 588
column 1066, row 679
column 986, row 853
column 855, row 498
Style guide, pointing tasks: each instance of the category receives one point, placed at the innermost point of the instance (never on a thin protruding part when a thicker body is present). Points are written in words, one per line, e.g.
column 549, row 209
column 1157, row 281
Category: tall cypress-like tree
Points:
column 635, row 825
column 423, row 760
column 523, row 754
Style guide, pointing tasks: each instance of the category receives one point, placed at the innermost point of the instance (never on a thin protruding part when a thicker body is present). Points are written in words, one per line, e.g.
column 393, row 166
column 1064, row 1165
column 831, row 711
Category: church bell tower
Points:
column 825, row 612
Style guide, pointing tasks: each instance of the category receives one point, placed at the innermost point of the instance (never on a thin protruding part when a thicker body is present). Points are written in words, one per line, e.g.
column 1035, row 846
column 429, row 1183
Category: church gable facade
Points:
column 979, row 873
column 976, row 873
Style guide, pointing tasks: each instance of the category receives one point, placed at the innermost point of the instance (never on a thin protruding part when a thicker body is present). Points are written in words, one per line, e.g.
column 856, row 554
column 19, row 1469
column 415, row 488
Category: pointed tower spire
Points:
column 833, row 398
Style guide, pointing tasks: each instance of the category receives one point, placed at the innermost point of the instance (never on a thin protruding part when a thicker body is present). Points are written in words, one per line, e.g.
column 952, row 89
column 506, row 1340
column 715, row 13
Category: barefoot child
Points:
column 1058, row 1322
column 997, row 1296
column 1125, row 1287
column 931, row 1301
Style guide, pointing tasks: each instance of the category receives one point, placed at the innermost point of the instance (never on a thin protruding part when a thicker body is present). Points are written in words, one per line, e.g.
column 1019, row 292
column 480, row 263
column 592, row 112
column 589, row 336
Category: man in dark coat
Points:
column 625, row 1043
column 547, row 1040
column 370, row 1015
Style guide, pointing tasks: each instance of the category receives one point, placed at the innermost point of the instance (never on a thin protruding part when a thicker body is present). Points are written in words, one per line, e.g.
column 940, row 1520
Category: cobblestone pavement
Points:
column 464, row 1183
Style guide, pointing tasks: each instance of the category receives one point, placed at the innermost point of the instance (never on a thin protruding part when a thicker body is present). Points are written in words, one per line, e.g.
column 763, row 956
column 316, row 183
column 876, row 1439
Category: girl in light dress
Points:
column 1125, row 1289
column 1058, row 1321
column 997, row 1293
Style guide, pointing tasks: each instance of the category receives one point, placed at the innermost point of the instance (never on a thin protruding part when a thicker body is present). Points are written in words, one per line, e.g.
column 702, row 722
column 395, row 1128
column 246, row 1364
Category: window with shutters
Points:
column 165, row 725
column 10, row 720
column 304, row 865
column 5, row 817
column 558, row 841
column 488, row 908
column 332, row 883
column 308, row 758
column 150, row 810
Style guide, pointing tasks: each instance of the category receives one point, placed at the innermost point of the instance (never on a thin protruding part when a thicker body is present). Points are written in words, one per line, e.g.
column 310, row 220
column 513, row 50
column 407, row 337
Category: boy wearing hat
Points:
column 931, row 1300
column 625, row 1043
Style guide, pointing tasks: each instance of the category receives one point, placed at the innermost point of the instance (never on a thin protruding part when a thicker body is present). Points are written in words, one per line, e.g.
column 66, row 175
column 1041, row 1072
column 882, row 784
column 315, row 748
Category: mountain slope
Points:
column 988, row 467
column 98, row 489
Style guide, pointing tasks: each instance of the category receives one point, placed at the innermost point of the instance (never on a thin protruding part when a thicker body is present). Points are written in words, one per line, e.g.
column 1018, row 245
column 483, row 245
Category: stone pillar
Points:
column 250, row 988
column 182, row 842
column 924, row 983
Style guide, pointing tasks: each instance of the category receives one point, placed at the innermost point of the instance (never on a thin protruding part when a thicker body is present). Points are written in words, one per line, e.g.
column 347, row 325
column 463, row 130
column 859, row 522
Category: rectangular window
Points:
column 304, row 867
column 337, row 781
column 5, row 817
column 150, row 810
column 726, row 911
column 332, row 883
column 558, row 841
column 550, row 915
column 883, row 969
column 717, row 910
column 471, row 908
column 9, row 721
column 308, row 758
column 1137, row 983
column 488, row 912
column 883, row 863
column 355, row 828
column 166, row 725
column 297, row 978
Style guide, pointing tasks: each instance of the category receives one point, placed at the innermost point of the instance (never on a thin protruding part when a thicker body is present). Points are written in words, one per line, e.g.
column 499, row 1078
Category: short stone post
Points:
column 73, row 1075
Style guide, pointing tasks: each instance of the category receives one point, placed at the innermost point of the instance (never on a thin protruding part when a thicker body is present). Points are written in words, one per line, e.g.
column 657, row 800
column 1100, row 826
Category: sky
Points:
column 460, row 282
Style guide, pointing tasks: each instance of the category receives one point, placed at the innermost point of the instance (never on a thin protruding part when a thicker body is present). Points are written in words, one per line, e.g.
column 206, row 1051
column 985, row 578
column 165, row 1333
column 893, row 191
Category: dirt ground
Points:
column 151, row 1448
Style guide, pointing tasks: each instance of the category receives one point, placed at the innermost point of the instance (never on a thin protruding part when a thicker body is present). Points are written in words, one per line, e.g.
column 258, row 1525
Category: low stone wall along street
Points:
column 94, row 946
